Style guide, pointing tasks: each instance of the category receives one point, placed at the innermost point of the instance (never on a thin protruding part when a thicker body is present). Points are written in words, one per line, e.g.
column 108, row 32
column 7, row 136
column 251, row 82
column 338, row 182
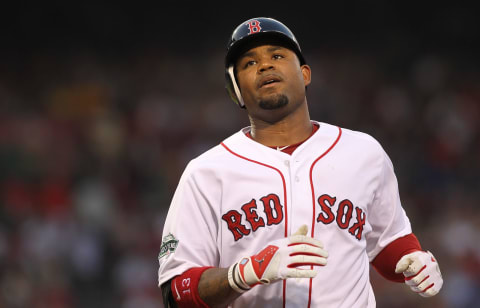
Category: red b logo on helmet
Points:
column 253, row 26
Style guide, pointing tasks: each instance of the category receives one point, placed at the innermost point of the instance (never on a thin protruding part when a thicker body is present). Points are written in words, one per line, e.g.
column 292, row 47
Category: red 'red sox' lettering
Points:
column 252, row 216
column 234, row 221
column 273, row 209
column 344, row 215
column 358, row 226
column 326, row 216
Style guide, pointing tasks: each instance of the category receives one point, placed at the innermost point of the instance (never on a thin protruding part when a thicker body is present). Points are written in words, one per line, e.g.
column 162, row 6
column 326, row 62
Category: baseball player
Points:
column 288, row 212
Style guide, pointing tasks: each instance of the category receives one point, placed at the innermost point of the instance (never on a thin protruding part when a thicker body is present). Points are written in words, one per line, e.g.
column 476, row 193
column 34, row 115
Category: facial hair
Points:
column 274, row 102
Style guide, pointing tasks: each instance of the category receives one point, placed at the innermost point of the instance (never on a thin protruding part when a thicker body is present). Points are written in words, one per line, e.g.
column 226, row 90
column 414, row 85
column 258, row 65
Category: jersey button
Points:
column 297, row 179
column 287, row 163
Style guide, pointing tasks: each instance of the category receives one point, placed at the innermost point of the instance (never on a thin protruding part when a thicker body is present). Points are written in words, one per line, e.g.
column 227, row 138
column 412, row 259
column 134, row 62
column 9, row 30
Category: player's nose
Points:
column 265, row 65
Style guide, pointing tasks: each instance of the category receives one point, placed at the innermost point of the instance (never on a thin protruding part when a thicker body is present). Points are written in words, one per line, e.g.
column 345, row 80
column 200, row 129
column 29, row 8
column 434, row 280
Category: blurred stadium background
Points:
column 102, row 105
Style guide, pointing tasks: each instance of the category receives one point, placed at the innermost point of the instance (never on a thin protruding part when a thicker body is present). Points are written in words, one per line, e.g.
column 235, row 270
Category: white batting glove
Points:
column 422, row 273
column 280, row 260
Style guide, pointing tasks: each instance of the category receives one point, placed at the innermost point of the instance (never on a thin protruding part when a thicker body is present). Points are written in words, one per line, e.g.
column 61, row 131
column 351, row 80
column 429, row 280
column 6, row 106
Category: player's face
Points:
column 271, row 79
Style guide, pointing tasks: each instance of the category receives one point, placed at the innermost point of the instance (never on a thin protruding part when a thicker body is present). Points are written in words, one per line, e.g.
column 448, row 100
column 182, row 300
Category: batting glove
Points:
column 280, row 260
column 422, row 273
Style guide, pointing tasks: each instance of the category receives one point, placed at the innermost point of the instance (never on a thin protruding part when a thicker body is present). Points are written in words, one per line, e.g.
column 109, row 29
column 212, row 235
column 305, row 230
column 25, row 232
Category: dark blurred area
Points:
column 102, row 105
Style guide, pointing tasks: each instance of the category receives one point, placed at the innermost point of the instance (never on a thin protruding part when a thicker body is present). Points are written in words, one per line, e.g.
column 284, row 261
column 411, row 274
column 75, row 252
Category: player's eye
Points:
column 277, row 56
column 250, row 63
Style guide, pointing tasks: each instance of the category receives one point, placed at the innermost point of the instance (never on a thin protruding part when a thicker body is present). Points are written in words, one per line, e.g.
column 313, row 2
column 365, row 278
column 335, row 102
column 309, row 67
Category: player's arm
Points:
column 213, row 289
column 217, row 287
column 167, row 295
column 402, row 259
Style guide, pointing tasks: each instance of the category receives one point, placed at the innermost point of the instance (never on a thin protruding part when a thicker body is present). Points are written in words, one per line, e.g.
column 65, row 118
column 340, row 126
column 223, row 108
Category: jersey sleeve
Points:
column 386, row 215
column 191, row 226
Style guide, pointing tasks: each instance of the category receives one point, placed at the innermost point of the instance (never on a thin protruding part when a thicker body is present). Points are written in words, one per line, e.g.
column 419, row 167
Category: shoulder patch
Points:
column 169, row 245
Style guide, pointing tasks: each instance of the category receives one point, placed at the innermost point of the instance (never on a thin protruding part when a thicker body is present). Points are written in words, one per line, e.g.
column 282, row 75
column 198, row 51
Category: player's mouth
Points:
column 268, row 81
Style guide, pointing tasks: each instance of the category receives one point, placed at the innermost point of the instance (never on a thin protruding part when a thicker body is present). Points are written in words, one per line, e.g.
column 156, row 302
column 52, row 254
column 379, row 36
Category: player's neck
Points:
column 290, row 130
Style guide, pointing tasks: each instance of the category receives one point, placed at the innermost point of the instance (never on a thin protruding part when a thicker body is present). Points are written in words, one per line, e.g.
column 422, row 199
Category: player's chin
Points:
column 274, row 101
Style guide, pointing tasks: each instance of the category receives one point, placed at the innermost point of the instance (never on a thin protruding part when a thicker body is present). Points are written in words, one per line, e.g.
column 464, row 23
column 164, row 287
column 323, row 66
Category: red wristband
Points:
column 387, row 259
column 185, row 288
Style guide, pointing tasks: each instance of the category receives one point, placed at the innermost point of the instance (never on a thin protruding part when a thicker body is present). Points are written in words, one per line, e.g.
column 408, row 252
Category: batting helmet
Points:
column 252, row 31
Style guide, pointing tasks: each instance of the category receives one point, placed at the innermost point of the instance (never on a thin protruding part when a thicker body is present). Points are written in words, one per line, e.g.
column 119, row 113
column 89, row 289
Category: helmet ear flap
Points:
column 232, row 87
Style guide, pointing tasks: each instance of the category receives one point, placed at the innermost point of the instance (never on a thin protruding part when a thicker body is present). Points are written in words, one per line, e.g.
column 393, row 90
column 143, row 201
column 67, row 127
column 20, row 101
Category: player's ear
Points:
column 307, row 74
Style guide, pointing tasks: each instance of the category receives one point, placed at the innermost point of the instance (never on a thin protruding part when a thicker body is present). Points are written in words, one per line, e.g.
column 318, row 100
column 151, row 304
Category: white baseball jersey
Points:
column 239, row 196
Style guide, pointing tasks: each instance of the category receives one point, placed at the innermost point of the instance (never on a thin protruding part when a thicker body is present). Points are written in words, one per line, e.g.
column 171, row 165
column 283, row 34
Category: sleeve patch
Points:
column 169, row 245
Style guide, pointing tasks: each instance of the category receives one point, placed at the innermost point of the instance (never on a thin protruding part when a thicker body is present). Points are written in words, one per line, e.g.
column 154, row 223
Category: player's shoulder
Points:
column 214, row 157
column 361, row 137
column 355, row 138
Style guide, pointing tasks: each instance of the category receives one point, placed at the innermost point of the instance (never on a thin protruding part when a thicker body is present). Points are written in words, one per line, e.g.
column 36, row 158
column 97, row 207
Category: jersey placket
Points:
column 297, row 290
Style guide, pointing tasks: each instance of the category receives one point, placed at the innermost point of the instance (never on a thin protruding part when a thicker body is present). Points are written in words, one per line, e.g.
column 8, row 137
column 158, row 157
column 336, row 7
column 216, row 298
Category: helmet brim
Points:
column 263, row 38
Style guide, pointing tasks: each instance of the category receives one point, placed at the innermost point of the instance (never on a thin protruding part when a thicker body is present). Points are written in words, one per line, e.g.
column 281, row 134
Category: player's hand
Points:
column 281, row 259
column 422, row 273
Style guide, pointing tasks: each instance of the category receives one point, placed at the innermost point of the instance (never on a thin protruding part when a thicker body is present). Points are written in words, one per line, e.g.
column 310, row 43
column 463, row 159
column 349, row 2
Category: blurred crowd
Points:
column 92, row 147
